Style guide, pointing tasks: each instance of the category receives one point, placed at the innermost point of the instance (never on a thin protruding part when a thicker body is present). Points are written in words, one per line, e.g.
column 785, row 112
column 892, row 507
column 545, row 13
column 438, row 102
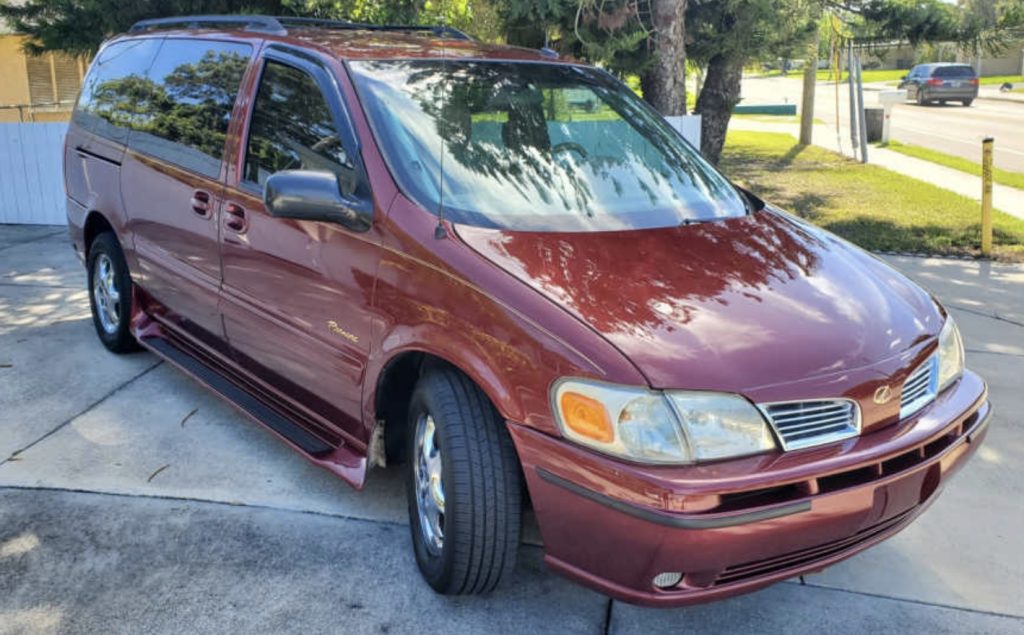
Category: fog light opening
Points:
column 667, row 579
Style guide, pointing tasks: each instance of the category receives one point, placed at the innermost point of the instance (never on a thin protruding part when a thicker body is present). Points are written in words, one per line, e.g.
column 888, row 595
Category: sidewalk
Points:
column 1007, row 199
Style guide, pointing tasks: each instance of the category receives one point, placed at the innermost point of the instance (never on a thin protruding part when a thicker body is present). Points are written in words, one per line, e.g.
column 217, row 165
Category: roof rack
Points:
column 276, row 25
column 440, row 31
column 261, row 23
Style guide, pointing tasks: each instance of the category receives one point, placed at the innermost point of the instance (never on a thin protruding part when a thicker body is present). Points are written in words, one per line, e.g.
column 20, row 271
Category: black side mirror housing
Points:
column 315, row 195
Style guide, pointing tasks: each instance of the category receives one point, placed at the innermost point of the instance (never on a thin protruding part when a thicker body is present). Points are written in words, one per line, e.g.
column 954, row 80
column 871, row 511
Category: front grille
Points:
column 920, row 387
column 803, row 557
column 802, row 424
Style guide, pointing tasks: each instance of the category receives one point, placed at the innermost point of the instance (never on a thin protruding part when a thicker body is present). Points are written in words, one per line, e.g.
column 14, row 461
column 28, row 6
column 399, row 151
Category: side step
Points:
column 298, row 436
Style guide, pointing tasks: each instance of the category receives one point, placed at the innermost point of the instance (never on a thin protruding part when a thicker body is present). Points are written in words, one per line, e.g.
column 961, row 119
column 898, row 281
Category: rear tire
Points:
column 463, row 486
column 110, row 294
column 967, row 103
column 921, row 101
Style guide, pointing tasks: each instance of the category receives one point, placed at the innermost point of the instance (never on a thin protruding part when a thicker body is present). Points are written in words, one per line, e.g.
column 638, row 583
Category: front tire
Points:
column 110, row 294
column 921, row 101
column 967, row 103
column 463, row 486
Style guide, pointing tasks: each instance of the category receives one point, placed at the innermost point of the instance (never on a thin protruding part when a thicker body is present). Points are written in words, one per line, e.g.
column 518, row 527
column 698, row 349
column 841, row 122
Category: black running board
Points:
column 292, row 432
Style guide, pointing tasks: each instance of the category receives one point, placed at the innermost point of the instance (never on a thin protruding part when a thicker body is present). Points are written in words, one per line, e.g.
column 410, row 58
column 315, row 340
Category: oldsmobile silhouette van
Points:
column 503, row 270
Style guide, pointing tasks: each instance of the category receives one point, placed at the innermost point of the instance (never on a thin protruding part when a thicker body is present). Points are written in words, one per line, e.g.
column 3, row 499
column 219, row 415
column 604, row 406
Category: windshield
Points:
column 534, row 146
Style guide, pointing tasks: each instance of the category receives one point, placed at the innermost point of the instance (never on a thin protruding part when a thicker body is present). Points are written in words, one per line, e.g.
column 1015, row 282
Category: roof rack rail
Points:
column 276, row 25
column 261, row 23
column 440, row 31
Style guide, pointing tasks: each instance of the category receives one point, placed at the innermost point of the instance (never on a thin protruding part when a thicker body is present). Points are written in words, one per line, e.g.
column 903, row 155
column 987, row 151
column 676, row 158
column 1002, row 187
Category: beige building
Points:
column 36, row 87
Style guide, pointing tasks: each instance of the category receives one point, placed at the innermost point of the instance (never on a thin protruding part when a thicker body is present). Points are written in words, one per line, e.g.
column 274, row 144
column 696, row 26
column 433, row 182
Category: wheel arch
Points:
column 394, row 386
column 95, row 224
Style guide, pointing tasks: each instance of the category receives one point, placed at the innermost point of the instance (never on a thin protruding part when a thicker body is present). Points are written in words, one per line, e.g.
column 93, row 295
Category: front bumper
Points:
column 736, row 526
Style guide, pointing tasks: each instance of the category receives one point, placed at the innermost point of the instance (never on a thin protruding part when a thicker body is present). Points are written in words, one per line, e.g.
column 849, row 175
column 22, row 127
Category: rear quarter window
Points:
column 106, row 105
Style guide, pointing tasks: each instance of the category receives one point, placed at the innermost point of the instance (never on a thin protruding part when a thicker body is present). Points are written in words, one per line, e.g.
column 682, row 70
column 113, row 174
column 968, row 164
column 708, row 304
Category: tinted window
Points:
column 953, row 71
column 292, row 129
column 184, row 103
column 107, row 103
column 529, row 146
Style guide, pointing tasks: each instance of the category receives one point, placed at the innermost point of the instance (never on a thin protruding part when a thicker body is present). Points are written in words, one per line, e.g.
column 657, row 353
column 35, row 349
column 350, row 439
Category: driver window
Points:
column 292, row 129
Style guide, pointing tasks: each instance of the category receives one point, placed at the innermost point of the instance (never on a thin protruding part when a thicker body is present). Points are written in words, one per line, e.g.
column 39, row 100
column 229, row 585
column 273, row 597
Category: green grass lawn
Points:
column 894, row 76
column 774, row 118
column 1003, row 177
column 999, row 79
column 868, row 76
column 868, row 205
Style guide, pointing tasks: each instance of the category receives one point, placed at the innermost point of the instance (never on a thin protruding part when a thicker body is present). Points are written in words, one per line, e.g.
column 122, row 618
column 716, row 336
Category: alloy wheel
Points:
column 105, row 294
column 430, row 502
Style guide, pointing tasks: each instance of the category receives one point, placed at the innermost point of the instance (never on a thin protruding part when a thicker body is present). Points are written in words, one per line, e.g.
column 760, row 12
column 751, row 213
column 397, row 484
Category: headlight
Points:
column 659, row 427
column 951, row 354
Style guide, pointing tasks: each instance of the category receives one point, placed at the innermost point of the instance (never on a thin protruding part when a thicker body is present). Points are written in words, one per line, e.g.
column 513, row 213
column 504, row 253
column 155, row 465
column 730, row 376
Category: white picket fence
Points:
column 32, row 173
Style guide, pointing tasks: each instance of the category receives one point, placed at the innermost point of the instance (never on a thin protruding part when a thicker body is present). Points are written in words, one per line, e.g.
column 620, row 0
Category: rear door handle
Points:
column 234, row 218
column 201, row 203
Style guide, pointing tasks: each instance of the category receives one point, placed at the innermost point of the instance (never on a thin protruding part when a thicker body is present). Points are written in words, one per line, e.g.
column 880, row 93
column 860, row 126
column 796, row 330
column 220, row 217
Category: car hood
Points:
column 729, row 305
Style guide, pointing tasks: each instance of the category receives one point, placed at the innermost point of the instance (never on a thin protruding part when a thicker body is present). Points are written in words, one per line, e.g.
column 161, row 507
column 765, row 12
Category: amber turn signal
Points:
column 586, row 417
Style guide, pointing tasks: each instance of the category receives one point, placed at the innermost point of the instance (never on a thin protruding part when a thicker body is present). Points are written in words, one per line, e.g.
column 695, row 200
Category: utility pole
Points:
column 861, row 115
column 853, row 103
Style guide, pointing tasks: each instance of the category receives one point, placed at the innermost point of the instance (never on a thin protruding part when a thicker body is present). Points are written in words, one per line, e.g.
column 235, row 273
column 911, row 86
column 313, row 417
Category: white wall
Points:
column 688, row 126
column 32, row 173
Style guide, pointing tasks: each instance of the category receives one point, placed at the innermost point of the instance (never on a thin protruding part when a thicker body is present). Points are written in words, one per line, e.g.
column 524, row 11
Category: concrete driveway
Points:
column 131, row 500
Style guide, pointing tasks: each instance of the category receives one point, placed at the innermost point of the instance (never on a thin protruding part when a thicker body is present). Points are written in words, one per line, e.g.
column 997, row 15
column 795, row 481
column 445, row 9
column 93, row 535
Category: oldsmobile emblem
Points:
column 883, row 395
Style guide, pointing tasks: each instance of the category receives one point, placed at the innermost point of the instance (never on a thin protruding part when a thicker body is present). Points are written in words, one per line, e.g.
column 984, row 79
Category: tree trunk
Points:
column 807, row 103
column 720, row 93
column 664, row 83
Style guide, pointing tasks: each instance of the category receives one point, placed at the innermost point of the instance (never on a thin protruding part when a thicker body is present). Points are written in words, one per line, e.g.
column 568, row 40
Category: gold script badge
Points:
column 335, row 328
column 883, row 395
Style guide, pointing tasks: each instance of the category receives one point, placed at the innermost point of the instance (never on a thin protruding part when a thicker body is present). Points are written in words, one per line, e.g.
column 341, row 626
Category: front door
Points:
column 296, row 294
column 171, row 176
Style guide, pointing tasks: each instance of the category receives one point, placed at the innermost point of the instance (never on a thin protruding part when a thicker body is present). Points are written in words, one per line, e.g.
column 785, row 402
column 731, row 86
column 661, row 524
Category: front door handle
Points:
column 234, row 218
column 201, row 203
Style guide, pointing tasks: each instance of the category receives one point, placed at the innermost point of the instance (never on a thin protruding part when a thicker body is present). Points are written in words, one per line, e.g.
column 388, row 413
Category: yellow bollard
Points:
column 986, row 196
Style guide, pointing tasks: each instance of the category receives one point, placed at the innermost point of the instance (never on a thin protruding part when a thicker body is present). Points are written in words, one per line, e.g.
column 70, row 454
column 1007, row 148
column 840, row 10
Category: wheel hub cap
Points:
column 105, row 294
column 429, row 486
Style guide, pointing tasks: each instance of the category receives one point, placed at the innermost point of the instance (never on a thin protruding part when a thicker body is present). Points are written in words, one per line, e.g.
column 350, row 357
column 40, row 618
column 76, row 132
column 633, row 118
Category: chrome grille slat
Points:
column 842, row 418
column 803, row 424
column 790, row 409
column 797, row 419
column 919, row 388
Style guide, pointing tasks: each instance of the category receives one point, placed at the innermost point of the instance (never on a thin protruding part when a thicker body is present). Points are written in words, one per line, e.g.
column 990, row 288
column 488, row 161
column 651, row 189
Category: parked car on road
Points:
column 929, row 83
column 506, row 271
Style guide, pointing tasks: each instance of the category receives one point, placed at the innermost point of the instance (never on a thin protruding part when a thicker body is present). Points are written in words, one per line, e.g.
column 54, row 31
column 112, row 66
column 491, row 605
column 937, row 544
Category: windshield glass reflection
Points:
column 533, row 146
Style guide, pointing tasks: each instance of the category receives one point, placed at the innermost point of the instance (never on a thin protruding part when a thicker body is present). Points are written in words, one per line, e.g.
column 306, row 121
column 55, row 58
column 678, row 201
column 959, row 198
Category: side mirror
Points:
column 315, row 195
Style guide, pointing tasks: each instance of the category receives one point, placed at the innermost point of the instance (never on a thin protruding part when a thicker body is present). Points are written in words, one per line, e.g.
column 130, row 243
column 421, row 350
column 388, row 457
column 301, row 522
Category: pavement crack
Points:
column 882, row 596
column 32, row 240
column 994, row 316
column 84, row 411
column 982, row 351
column 608, row 616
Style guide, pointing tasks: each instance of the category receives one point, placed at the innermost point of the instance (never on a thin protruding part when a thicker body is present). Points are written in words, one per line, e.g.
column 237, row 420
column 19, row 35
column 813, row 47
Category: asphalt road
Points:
column 952, row 128
column 134, row 501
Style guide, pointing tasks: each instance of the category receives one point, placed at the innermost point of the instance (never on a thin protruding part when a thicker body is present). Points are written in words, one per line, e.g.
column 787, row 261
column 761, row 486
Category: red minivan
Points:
column 504, row 270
